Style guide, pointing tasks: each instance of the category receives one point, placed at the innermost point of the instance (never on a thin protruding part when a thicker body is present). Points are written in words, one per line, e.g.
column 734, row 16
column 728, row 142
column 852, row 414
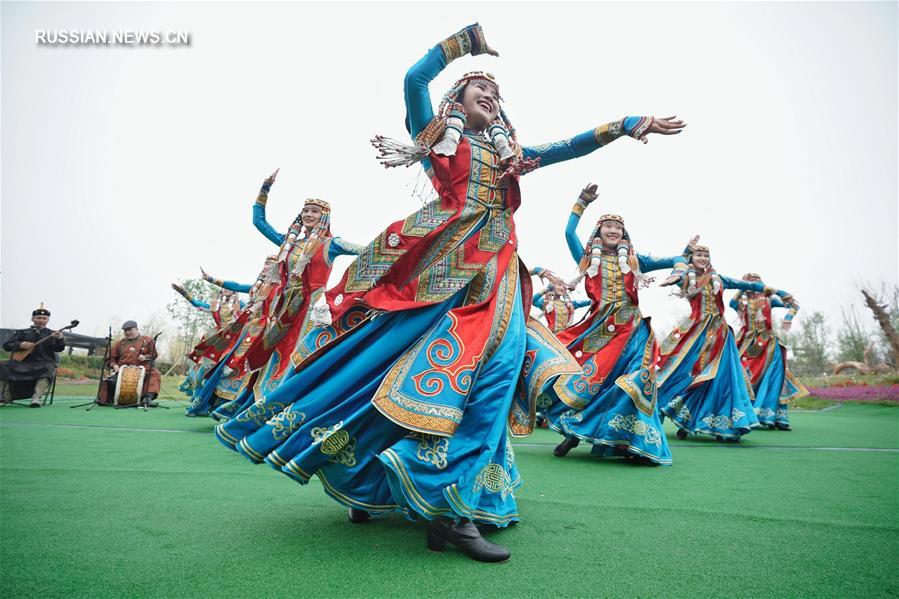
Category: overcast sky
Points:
column 126, row 168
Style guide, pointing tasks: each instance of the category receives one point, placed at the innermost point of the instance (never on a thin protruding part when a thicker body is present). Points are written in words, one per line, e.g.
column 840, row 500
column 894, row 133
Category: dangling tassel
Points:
column 321, row 313
column 393, row 153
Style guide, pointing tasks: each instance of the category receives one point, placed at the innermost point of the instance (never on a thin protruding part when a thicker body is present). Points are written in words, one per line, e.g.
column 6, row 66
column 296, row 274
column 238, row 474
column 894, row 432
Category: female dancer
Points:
column 224, row 310
column 615, row 346
column 764, row 355
column 702, row 385
column 433, row 359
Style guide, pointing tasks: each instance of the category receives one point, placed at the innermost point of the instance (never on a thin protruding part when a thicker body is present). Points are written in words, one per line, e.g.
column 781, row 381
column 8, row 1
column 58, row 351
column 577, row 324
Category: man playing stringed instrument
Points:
column 39, row 365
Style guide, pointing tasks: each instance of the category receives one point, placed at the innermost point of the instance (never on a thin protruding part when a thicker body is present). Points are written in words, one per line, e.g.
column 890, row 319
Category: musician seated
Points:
column 32, row 374
column 133, row 349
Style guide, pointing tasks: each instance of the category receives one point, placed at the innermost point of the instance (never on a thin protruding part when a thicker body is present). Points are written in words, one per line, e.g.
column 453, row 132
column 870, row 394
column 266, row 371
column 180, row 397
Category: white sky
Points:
column 124, row 169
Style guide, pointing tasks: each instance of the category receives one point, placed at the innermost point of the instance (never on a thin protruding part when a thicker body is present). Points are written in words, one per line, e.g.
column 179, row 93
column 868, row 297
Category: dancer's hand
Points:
column 181, row 290
column 271, row 178
column 589, row 194
column 694, row 241
column 786, row 325
column 669, row 125
column 670, row 280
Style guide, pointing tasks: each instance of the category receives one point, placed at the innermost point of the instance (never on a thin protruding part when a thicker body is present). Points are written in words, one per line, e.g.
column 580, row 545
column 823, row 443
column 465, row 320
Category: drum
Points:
column 129, row 385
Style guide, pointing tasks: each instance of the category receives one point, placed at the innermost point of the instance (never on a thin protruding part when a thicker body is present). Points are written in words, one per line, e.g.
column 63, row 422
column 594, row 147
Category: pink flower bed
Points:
column 861, row 393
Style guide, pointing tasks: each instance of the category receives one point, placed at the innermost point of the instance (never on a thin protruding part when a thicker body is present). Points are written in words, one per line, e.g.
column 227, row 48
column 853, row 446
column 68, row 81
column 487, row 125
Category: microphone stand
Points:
column 106, row 355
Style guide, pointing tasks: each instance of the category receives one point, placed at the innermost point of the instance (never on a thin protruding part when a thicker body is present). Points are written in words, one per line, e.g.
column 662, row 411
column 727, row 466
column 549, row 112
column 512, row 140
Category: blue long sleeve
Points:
column 341, row 247
column 199, row 303
column 731, row 283
column 236, row 287
column 651, row 263
column 574, row 244
column 580, row 145
column 582, row 303
column 538, row 299
column 419, row 110
column 776, row 302
column 264, row 227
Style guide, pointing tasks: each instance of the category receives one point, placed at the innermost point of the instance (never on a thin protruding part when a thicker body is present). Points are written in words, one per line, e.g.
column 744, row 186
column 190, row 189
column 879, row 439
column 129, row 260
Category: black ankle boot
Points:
column 465, row 536
column 681, row 434
column 783, row 426
column 565, row 446
column 358, row 516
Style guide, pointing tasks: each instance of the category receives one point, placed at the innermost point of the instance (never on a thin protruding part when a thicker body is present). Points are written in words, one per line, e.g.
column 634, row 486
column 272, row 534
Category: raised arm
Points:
column 538, row 299
column 259, row 220
column 586, row 197
column 419, row 110
column 735, row 301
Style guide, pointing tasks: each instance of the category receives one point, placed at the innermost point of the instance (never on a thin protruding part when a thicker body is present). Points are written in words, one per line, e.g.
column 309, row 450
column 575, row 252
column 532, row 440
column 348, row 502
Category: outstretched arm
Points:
column 229, row 285
column 582, row 303
column 259, row 220
column 651, row 263
column 538, row 299
column 342, row 247
column 187, row 295
column 758, row 286
column 580, row 145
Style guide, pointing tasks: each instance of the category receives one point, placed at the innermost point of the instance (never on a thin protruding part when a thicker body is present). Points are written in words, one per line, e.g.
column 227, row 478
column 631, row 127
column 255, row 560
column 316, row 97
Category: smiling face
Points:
column 610, row 233
column 481, row 102
column 700, row 259
column 311, row 215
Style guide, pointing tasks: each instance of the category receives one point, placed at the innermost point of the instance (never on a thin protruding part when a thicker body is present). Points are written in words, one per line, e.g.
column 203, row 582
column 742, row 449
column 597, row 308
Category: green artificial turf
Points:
column 127, row 503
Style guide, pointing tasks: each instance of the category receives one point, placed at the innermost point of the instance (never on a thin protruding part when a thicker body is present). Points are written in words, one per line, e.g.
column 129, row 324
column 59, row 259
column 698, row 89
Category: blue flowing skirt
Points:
column 204, row 399
column 611, row 421
column 768, row 408
column 322, row 422
column 721, row 406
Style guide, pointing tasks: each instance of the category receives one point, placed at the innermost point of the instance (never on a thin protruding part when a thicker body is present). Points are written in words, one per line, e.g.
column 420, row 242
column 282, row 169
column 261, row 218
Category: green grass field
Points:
column 127, row 503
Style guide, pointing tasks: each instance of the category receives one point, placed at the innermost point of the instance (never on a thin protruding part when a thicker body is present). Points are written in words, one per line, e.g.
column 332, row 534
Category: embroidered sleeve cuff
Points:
column 262, row 198
column 606, row 134
column 468, row 41
column 578, row 208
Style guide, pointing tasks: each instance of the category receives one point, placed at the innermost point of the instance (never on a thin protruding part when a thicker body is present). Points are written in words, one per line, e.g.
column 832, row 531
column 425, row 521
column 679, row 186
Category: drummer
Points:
column 134, row 349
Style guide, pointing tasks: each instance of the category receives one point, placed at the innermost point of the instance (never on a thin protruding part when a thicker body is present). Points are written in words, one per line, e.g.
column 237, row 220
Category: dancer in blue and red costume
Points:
column 764, row 355
column 433, row 358
column 222, row 387
column 702, row 385
column 554, row 301
column 615, row 346
column 224, row 310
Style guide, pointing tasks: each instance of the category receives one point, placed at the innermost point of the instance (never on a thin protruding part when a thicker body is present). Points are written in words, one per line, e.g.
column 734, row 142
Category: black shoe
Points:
column 34, row 405
column 783, row 427
column 681, row 434
column 771, row 427
column 358, row 516
column 732, row 440
column 719, row 438
column 565, row 446
column 466, row 538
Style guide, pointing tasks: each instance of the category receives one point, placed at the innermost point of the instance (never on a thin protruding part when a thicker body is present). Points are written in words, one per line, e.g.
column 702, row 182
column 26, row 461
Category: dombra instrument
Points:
column 129, row 385
column 20, row 355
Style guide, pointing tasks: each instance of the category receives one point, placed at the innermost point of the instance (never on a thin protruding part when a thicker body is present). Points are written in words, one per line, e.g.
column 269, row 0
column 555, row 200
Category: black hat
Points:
column 129, row 324
column 41, row 311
